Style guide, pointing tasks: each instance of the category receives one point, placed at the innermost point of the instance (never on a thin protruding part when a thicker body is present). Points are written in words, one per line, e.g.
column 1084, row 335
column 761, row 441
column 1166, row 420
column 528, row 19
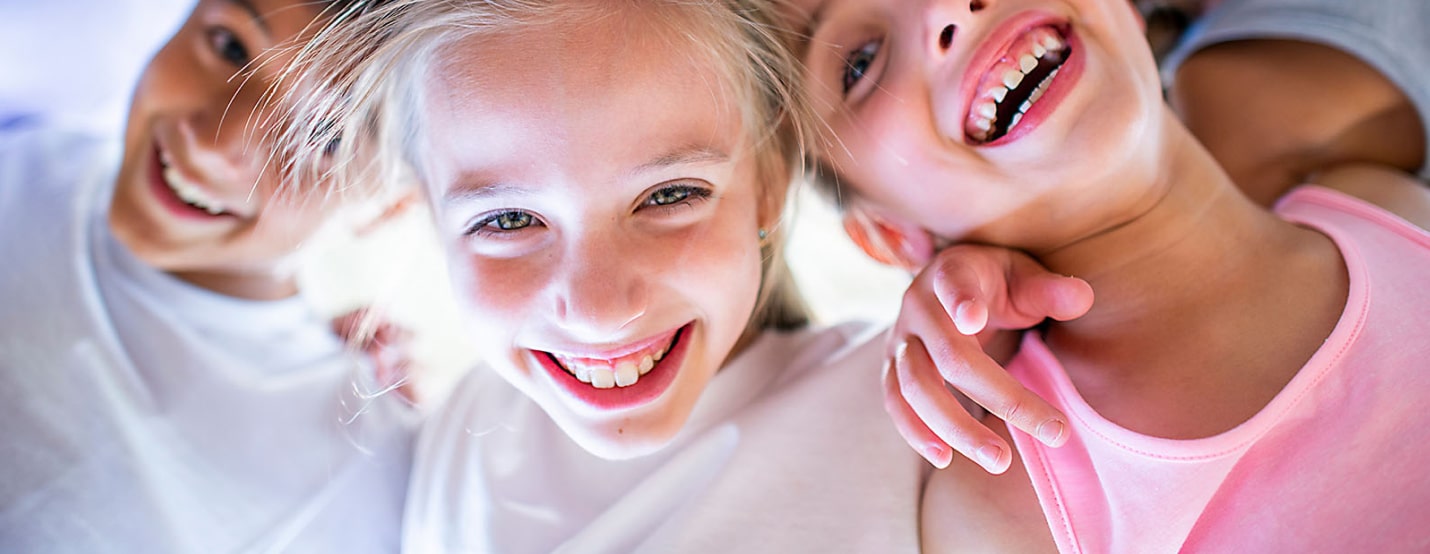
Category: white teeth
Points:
column 985, row 125
column 987, row 109
column 603, row 378
column 602, row 375
column 1016, row 118
column 1024, row 108
column 1027, row 63
column 188, row 192
column 626, row 374
column 999, row 94
column 1052, row 42
column 1012, row 78
column 1039, row 50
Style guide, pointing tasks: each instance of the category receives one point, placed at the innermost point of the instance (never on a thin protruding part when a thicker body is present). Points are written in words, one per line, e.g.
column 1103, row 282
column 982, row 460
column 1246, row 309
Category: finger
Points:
column 922, row 388
column 911, row 428
column 1037, row 293
column 959, row 283
column 979, row 377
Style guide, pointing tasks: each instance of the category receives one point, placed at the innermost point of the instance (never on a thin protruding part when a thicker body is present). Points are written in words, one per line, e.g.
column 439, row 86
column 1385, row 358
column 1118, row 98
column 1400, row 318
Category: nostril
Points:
column 945, row 38
column 975, row 5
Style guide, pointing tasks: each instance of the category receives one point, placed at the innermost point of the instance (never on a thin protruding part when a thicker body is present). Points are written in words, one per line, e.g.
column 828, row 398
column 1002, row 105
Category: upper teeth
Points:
column 1038, row 45
column 620, row 372
column 190, row 193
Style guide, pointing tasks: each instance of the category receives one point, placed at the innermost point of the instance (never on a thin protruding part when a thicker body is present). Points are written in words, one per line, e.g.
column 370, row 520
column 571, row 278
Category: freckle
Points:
column 621, row 431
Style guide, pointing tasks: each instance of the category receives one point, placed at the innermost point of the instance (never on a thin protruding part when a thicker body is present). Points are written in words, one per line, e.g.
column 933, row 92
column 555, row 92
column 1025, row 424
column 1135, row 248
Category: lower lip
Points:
column 168, row 198
column 645, row 390
column 1043, row 109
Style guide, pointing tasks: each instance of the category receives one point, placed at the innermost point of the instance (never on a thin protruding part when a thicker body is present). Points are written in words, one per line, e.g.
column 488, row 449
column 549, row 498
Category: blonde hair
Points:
column 356, row 122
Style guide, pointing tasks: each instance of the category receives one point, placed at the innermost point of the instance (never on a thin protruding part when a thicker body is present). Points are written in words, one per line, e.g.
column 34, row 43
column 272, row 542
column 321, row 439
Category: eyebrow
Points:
column 247, row 5
column 477, row 191
column 685, row 155
column 473, row 187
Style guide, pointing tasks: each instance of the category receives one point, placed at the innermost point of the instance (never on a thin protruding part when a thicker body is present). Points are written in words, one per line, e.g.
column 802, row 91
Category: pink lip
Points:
column 168, row 198
column 993, row 48
column 650, row 386
column 619, row 351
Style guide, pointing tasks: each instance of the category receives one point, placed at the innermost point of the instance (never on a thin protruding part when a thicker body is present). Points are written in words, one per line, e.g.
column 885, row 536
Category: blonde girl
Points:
column 608, row 178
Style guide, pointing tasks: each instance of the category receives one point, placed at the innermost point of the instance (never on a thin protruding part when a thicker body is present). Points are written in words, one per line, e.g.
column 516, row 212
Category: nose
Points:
column 603, row 287
column 941, row 21
column 223, row 135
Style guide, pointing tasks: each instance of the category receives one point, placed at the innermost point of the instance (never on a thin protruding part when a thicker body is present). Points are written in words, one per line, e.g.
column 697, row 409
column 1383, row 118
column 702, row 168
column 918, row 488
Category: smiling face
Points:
column 195, row 193
column 602, row 213
column 1024, row 123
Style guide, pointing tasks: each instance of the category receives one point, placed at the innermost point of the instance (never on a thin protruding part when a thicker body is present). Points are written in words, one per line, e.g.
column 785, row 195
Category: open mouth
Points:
column 186, row 192
column 623, row 371
column 1015, row 83
column 625, row 379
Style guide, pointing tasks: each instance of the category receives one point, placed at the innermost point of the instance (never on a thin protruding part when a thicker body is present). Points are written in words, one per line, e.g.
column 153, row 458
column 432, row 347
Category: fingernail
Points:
column 1050, row 431
column 901, row 350
column 960, row 315
column 937, row 456
column 989, row 455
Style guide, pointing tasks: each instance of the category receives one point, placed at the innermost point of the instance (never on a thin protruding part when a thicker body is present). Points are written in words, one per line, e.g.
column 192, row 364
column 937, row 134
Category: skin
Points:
column 567, row 238
column 1294, row 126
column 1138, row 195
column 194, row 107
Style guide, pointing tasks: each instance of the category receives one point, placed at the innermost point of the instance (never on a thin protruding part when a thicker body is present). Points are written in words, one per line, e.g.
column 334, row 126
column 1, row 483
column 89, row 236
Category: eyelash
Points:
column 489, row 225
column 227, row 46
column 852, row 74
column 484, row 226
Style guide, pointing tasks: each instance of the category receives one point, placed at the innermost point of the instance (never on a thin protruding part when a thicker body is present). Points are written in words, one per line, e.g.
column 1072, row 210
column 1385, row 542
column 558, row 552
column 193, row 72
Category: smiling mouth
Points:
column 622, row 371
column 1015, row 83
column 187, row 191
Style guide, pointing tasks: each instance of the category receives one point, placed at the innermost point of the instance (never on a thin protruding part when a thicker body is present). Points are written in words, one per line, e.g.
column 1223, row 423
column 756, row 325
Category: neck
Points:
column 1206, row 304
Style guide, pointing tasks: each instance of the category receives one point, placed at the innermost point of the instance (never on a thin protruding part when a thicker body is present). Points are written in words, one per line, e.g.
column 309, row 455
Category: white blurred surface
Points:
column 74, row 62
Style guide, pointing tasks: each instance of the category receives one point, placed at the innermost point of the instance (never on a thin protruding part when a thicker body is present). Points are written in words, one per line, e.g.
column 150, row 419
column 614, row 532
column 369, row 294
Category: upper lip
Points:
column 994, row 45
column 170, row 159
column 613, row 350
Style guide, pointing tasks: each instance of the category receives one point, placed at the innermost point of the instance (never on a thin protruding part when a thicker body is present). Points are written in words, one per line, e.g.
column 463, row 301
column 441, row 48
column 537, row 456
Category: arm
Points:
column 1388, row 188
column 1275, row 111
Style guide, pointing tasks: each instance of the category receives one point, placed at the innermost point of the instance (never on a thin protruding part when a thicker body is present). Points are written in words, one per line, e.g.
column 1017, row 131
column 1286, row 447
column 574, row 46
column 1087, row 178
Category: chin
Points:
column 621, row 440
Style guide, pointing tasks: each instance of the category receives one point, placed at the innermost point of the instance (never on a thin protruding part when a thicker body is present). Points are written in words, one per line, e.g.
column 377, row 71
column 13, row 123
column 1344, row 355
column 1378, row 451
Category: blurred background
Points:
column 73, row 63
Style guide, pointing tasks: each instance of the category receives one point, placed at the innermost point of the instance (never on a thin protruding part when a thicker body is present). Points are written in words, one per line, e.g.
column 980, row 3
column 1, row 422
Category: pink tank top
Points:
column 1338, row 461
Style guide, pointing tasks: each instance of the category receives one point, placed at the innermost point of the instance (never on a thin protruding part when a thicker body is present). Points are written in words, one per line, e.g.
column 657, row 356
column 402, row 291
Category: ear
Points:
column 404, row 201
column 898, row 244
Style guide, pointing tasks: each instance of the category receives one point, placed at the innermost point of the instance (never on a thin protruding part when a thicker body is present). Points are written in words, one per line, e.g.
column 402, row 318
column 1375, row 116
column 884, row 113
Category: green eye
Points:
column 668, row 196
column 511, row 220
column 675, row 195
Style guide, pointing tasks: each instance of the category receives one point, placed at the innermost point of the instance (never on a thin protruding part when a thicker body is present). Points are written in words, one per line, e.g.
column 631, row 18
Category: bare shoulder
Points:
column 965, row 509
column 1390, row 188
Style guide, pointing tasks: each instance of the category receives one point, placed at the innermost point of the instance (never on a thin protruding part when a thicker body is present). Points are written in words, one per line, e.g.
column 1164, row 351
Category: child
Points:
column 166, row 388
column 609, row 179
column 1038, row 125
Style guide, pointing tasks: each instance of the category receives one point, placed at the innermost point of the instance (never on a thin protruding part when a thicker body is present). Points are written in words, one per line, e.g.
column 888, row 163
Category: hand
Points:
column 964, row 291
column 385, row 343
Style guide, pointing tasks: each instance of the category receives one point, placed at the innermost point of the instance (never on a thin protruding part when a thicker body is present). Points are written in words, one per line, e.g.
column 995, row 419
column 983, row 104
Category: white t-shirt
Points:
column 142, row 414
column 788, row 450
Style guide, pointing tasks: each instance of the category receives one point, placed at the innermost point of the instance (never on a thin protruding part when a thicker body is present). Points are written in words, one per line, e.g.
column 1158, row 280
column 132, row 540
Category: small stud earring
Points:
column 764, row 234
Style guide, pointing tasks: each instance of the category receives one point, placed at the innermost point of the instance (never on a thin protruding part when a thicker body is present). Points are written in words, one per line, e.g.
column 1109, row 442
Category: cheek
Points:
column 495, row 295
